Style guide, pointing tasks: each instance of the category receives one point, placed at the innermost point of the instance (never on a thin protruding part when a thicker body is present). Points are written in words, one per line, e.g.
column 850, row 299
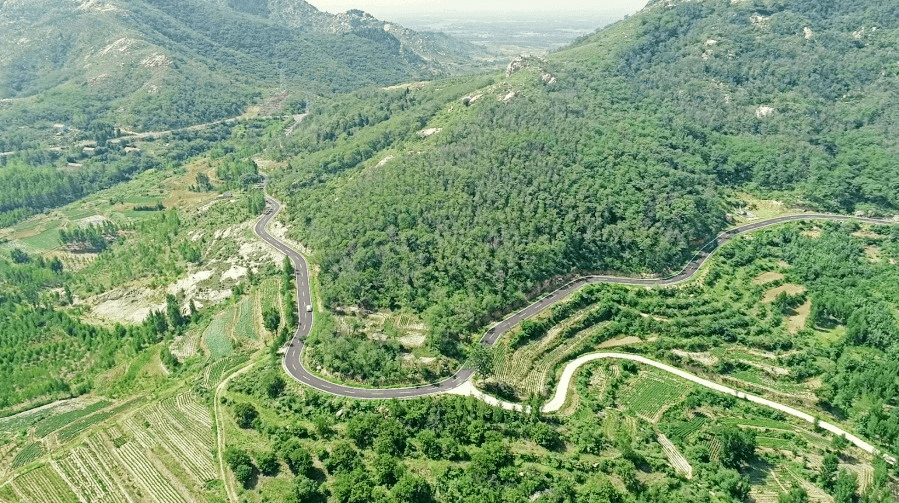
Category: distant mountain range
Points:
column 158, row 64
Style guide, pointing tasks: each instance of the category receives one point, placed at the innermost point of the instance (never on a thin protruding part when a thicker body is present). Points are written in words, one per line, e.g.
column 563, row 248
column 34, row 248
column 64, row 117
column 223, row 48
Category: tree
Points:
column 245, row 414
column 412, row 489
column 387, row 469
column 352, row 487
column 173, row 312
column 545, row 436
column 18, row 256
column 287, row 267
column 305, row 490
column 481, row 359
column 240, row 464
column 428, row 444
column 271, row 318
column 845, row 487
column 828, row 473
column 737, row 446
column 795, row 495
column 273, row 384
column 296, row 457
column 344, row 458
column 268, row 464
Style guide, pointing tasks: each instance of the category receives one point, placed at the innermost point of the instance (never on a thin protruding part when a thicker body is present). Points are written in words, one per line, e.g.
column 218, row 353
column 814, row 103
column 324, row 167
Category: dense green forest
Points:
column 164, row 64
column 622, row 152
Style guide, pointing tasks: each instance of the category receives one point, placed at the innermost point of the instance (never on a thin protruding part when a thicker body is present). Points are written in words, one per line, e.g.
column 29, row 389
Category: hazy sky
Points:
column 407, row 8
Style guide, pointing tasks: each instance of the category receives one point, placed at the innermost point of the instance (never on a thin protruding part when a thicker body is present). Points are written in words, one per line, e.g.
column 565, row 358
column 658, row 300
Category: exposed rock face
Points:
column 529, row 61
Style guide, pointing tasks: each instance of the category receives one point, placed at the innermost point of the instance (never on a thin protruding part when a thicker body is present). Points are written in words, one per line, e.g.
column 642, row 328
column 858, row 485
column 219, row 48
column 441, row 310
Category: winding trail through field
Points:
column 220, row 427
column 460, row 382
column 562, row 389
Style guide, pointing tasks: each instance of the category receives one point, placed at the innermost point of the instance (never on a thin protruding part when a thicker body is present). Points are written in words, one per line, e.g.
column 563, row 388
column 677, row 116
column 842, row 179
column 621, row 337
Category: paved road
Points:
column 293, row 362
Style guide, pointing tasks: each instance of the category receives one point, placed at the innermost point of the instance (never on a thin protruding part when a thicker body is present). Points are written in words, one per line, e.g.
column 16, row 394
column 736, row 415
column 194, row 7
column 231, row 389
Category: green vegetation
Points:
column 623, row 152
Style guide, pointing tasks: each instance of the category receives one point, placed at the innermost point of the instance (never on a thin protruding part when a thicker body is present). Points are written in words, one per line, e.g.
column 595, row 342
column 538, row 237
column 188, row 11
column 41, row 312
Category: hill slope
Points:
column 159, row 64
column 623, row 151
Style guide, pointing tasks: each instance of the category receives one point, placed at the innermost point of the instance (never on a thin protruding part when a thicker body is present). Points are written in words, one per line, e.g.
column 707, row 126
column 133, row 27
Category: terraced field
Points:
column 652, row 393
column 217, row 336
column 159, row 452
column 528, row 368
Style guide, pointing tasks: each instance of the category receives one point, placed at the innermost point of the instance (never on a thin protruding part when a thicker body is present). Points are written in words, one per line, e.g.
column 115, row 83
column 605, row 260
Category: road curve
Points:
column 293, row 356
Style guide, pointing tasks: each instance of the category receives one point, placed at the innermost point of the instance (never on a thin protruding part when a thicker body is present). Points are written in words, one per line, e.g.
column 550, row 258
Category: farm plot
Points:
column 683, row 430
column 172, row 428
column 214, row 372
column 90, row 477
column 528, row 367
column 57, row 421
column 28, row 454
column 245, row 322
column 217, row 336
column 677, row 460
column 162, row 487
column 187, row 345
column 270, row 294
column 77, row 427
column 652, row 393
column 43, row 485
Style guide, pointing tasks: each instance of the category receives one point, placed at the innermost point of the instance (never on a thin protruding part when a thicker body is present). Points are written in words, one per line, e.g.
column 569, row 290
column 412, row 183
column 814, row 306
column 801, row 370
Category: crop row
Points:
column 44, row 485
column 57, row 421
column 28, row 454
column 217, row 336
column 74, row 429
column 145, row 472
column 245, row 324
column 683, row 430
column 651, row 394
column 87, row 477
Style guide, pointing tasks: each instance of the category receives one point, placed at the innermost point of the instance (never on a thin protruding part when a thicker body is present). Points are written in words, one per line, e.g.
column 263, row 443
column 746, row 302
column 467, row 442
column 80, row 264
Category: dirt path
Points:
column 562, row 389
column 220, row 427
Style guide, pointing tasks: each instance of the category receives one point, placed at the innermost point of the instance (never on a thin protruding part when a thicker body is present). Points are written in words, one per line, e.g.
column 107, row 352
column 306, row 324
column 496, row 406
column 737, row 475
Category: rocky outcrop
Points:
column 529, row 61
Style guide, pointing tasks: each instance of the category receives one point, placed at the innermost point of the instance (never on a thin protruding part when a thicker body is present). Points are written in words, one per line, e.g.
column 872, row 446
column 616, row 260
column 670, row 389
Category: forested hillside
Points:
column 622, row 152
column 160, row 64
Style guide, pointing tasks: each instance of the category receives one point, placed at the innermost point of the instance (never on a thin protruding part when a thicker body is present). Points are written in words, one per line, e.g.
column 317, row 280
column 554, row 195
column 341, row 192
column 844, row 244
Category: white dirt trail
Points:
column 562, row 389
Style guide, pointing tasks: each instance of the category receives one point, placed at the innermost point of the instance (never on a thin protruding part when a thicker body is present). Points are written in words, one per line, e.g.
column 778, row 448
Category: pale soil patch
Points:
column 235, row 272
column 58, row 407
column 873, row 254
column 867, row 234
column 258, row 249
column 704, row 358
column 383, row 162
column 413, row 341
column 408, row 85
column 129, row 305
column 424, row 133
column 189, row 284
column 767, row 277
column 278, row 230
column 621, row 341
column 770, row 369
column 92, row 220
column 814, row 233
column 789, row 289
column 797, row 322
column 677, row 460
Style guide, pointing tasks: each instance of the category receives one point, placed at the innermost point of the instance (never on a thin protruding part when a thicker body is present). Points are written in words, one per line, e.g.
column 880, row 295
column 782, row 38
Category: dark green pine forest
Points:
column 623, row 152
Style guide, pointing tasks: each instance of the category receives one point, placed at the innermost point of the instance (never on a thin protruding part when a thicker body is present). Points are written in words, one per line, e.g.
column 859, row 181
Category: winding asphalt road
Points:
column 293, row 356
